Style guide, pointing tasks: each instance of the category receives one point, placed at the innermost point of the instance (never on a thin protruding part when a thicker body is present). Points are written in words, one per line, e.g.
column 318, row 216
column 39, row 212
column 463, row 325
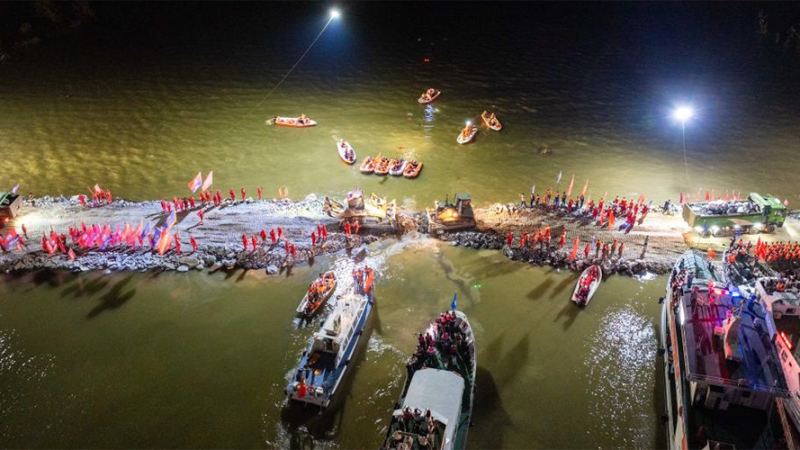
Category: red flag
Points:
column 208, row 181
column 574, row 249
column 585, row 185
column 708, row 196
column 610, row 219
column 196, row 182
column 571, row 182
column 97, row 189
column 641, row 199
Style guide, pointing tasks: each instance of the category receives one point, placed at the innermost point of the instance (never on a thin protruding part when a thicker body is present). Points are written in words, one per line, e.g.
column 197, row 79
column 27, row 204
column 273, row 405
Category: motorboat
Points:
column 318, row 294
column 346, row 152
column 292, row 122
column 467, row 134
column 324, row 363
column 587, row 285
column 436, row 404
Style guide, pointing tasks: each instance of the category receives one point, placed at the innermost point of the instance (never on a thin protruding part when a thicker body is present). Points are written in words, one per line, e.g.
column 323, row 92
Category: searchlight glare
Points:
column 683, row 113
column 335, row 14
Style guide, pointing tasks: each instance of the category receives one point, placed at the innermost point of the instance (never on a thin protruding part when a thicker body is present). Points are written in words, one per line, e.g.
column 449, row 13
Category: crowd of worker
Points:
column 779, row 255
column 602, row 213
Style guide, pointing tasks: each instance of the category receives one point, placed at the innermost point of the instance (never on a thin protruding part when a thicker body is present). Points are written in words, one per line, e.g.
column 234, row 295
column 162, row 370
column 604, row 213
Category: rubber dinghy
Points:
column 368, row 165
column 435, row 408
column 467, row 134
column 292, row 122
column 412, row 169
column 382, row 166
column 426, row 98
column 325, row 362
column 397, row 166
column 587, row 285
column 318, row 294
column 491, row 121
column 346, row 152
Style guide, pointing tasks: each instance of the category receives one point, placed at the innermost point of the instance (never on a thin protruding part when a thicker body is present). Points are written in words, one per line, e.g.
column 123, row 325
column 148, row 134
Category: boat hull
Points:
column 342, row 151
column 433, row 98
column 497, row 127
column 291, row 122
column 576, row 298
column 324, row 399
column 469, row 138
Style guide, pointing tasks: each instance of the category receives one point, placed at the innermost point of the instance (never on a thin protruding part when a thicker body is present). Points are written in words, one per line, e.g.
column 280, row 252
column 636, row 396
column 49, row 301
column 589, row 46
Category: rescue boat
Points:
column 412, row 169
column 462, row 139
column 346, row 150
column 587, row 285
column 322, row 289
column 368, row 165
column 491, row 121
column 292, row 122
column 382, row 166
column 397, row 166
column 425, row 100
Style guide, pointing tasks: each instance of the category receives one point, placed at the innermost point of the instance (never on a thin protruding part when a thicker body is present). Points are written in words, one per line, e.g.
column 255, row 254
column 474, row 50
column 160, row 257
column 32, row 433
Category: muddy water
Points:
column 142, row 360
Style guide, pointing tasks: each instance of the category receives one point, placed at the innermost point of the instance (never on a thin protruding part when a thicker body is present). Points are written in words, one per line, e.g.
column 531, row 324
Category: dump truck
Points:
column 755, row 214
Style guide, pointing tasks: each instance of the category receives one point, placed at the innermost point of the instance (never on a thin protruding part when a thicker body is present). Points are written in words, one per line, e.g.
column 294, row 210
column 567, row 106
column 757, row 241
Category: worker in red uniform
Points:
column 586, row 251
column 509, row 238
column 259, row 191
column 194, row 244
column 177, row 243
column 621, row 246
column 243, row 193
column 244, row 241
column 563, row 239
column 200, row 214
column 356, row 227
column 313, row 239
column 294, row 251
column 233, row 195
column 280, row 233
column 264, row 235
column 324, row 233
column 254, row 241
column 82, row 199
column 272, row 235
column 191, row 201
column 347, row 228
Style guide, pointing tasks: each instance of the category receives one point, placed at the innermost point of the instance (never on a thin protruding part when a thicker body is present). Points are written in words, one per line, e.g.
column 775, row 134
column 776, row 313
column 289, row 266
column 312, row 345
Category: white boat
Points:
column 346, row 152
column 323, row 287
column 587, row 285
column 400, row 168
column 324, row 364
column 461, row 139
column 440, row 383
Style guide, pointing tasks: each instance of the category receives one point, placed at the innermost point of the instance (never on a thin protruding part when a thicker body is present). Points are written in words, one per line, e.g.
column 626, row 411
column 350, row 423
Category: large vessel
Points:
column 323, row 365
column 781, row 298
column 435, row 408
column 722, row 371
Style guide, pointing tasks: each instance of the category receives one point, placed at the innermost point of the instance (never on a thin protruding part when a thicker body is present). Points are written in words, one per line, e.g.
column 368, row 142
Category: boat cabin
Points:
column 437, row 391
column 9, row 206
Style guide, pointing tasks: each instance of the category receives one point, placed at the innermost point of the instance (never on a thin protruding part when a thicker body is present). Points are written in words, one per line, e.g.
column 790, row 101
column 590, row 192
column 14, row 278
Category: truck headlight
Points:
column 698, row 229
column 758, row 226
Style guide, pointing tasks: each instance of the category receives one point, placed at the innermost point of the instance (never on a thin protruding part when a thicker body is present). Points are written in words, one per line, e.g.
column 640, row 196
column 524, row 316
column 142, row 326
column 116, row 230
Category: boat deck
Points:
column 758, row 366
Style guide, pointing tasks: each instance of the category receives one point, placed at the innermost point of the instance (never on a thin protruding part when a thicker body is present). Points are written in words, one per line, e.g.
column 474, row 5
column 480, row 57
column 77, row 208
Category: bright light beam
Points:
column 334, row 14
column 684, row 113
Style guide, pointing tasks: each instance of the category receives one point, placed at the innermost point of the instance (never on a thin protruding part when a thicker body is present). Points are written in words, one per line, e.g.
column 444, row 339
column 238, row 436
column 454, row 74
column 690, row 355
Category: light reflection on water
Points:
column 621, row 371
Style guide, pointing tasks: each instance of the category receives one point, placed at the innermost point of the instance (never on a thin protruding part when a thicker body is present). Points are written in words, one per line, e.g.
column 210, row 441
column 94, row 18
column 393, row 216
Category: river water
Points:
column 170, row 360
